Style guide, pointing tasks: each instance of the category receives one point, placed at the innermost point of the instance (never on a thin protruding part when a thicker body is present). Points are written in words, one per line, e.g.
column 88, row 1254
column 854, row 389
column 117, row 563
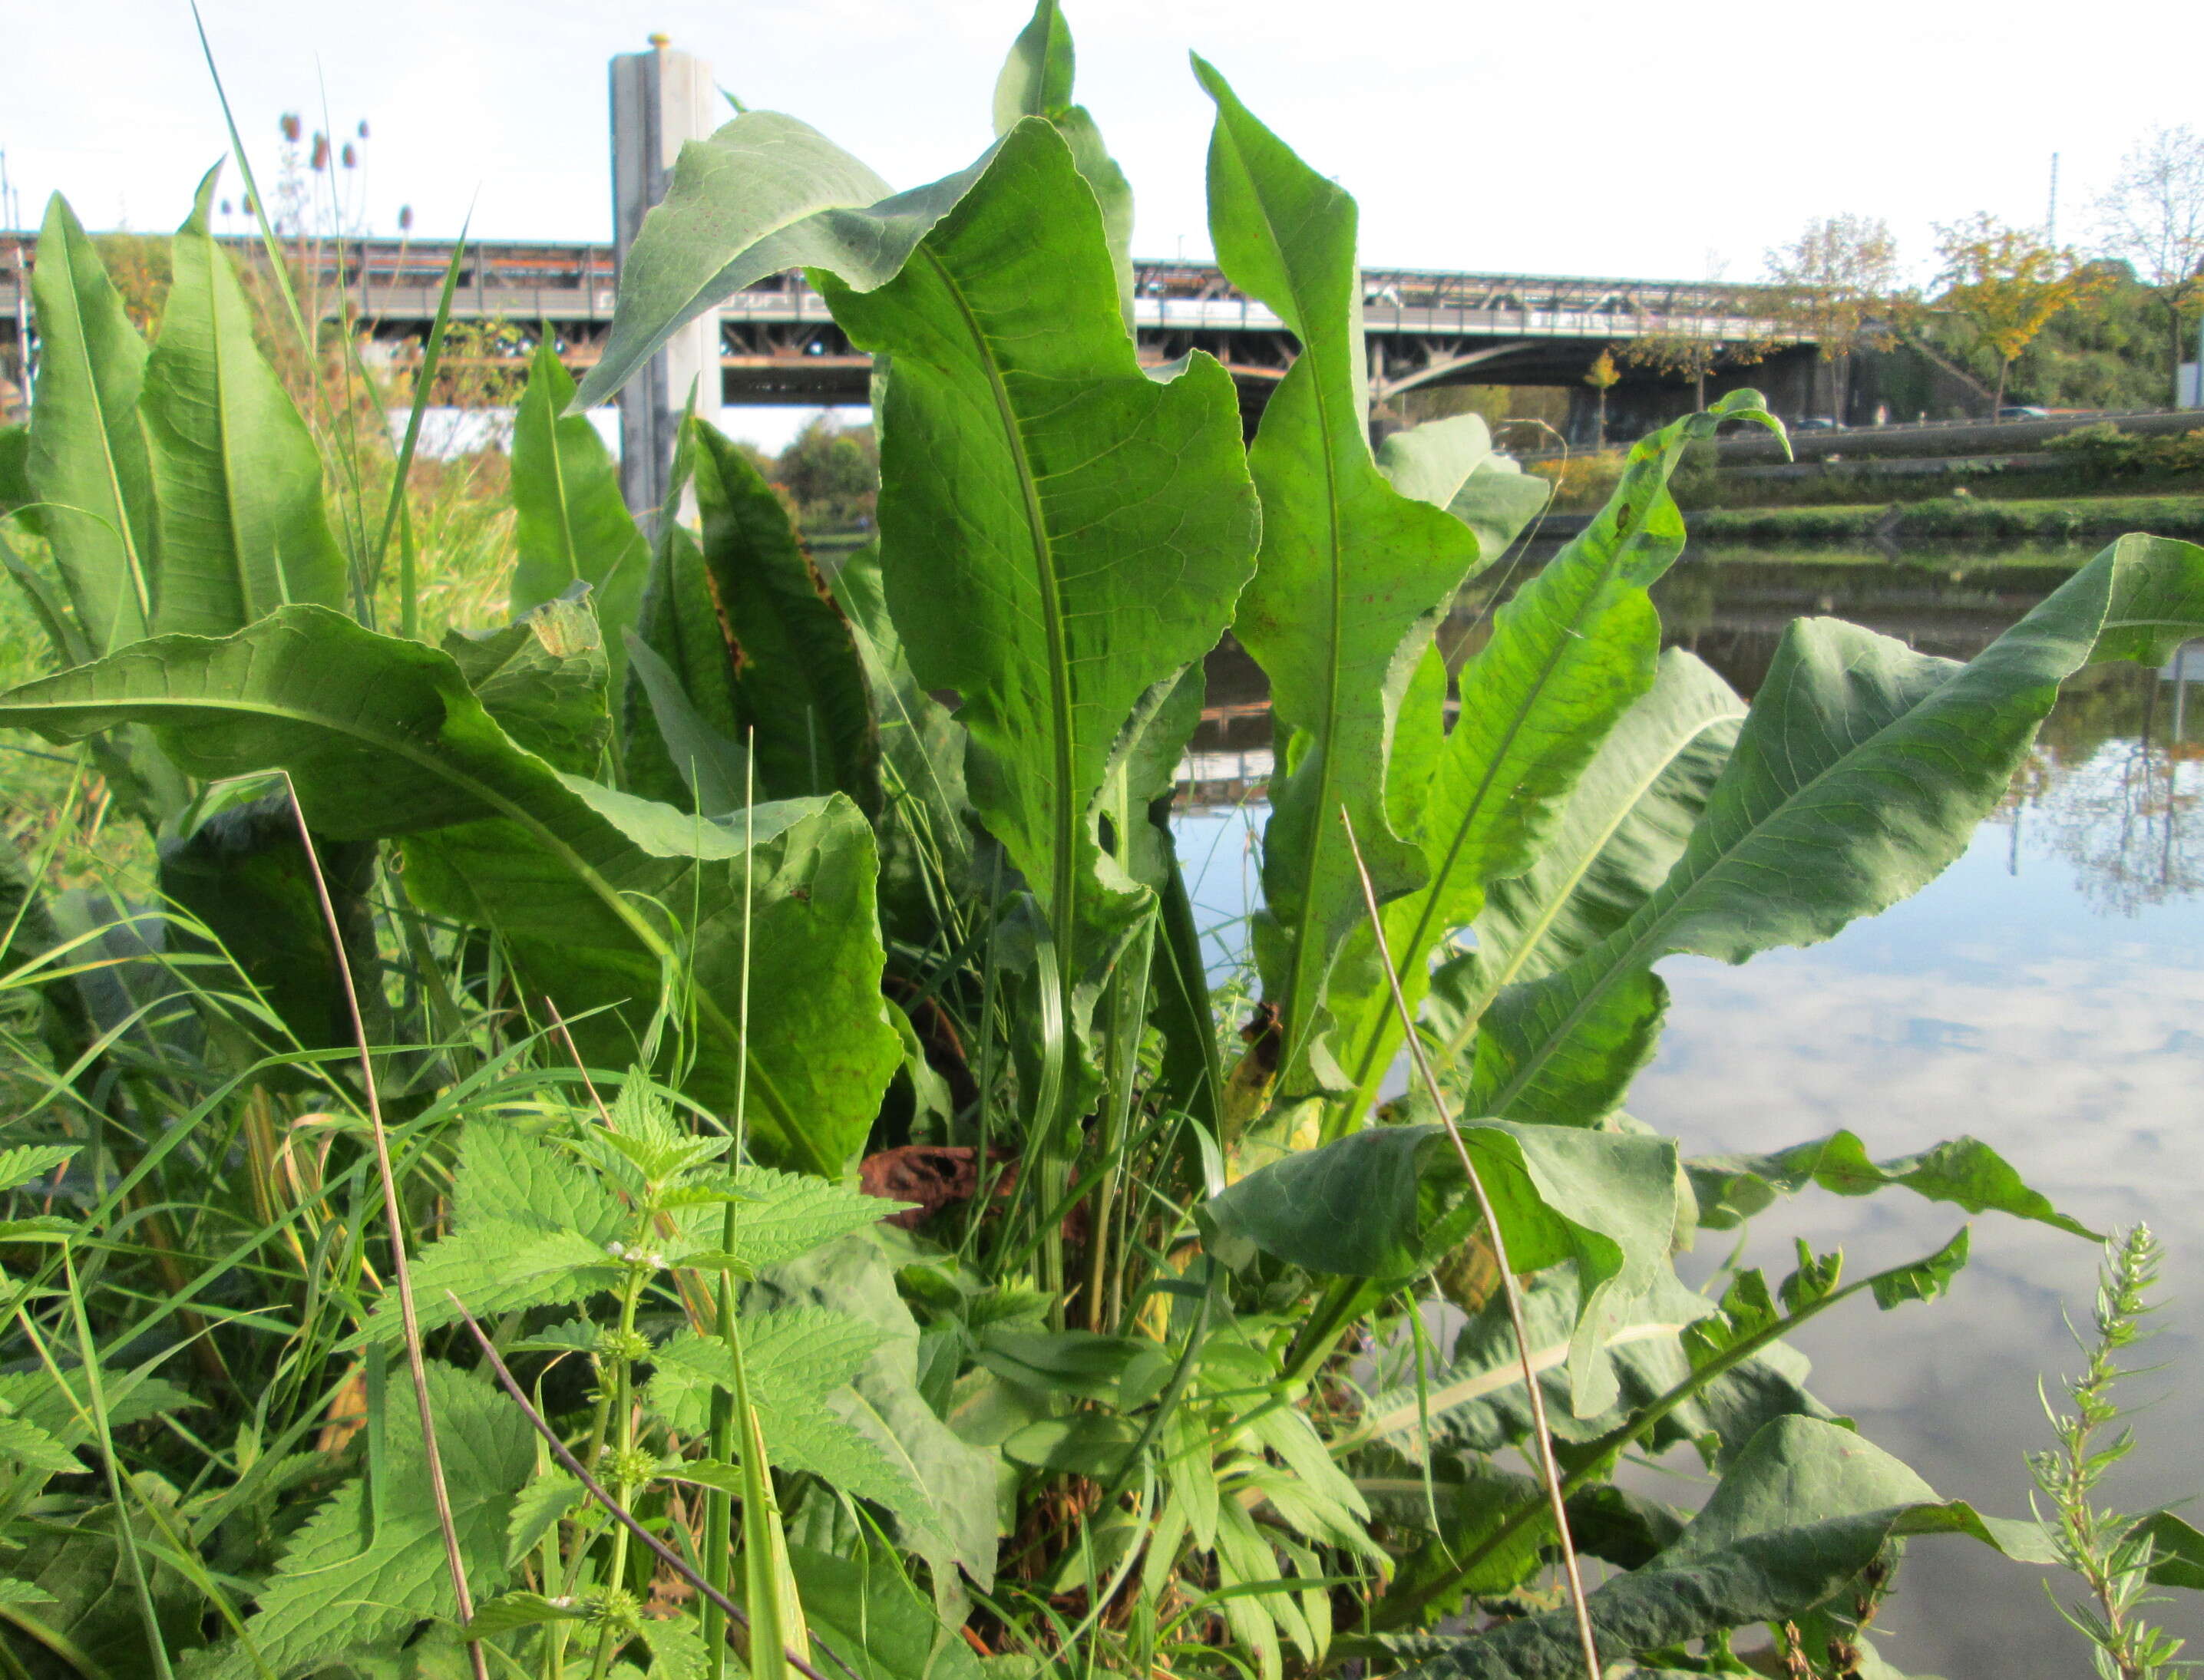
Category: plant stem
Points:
column 395, row 1218
column 573, row 1466
column 1550, row 1471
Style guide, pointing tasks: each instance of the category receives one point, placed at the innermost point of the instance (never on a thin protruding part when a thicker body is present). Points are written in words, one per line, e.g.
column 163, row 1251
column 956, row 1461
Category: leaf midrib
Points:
column 132, row 560
column 1637, row 952
column 1411, row 948
column 1536, row 930
column 1063, row 811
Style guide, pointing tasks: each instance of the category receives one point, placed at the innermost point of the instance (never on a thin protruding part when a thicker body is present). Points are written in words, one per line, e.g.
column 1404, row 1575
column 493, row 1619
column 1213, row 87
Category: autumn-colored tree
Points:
column 1677, row 354
column 2006, row 283
column 2152, row 218
column 1601, row 376
column 1835, row 284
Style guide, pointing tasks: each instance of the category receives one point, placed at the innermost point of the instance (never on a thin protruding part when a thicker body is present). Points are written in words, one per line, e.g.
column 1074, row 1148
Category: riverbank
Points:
column 1960, row 517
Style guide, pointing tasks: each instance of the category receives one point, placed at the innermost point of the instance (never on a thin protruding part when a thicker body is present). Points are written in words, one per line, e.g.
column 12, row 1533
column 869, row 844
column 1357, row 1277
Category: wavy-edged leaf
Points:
column 1622, row 829
column 1860, row 773
column 1036, row 80
column 1386, row 1203
column 1476, row 1402
column 598, row 894
column 1746, row 1557
column 243, row 530
column 1570, row 654
column 543, row 678
column 1732, row 1188
column 86, row 449
column 797, row 688
column 924, row 825
column 869, row 1613
column 763, row 194
column 569, row 525
column 1059, row 533
column 1351, row 577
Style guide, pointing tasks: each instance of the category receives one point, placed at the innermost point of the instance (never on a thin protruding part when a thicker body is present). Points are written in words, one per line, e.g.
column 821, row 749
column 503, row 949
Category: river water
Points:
column 2046, row 994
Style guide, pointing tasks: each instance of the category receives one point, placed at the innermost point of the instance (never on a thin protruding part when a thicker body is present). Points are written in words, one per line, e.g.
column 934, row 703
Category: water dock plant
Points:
column 591, row 979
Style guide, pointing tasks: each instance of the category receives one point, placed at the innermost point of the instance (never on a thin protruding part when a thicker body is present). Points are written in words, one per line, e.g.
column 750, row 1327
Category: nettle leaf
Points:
column 495, row 1266
column 25, row 1161
column 529, row 1229
column 243, row 530
column 29, row 1447
column 1732, row 1188
column 509, row 1613
column 1388, row 1202
column 539, row 1508
column 133, row 1396
column 570, row 525
column 799, row 1362
column 1059, row 533
column 784, row 1215
column 598, row 895
column 1569, row 656
column 345, row 1585
column 1352, row 576
column 87, row 453
column 1805, row 1508
column 1860, row 773
column 883, row 1402
column 764, row 194
column 506, row 1174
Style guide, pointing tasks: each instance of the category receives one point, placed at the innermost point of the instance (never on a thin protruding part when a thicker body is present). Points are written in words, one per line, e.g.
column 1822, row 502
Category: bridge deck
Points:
column 779, row 341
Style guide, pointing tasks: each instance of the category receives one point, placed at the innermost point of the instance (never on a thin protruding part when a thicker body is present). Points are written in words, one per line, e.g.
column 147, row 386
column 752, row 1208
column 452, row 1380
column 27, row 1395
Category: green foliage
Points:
column 916, row 1272
column 2116, row 1557
column 569, row 525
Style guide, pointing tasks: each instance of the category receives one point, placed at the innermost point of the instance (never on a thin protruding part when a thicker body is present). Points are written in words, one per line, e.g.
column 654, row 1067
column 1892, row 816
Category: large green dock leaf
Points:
column 1350, row 580
column 87, row 459
column 604, row 899
column 1860, row 773
column 243, row 528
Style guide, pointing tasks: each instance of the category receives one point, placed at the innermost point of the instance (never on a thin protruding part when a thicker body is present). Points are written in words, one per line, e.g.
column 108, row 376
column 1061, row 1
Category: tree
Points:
column 2007, row 284
column 832, row 474
column 1692, row 356
column 1835, row 282
column 1602, row 376
column 2152, row 218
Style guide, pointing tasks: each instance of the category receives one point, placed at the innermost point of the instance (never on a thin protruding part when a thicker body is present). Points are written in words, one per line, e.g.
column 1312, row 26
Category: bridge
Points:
column 778, row 342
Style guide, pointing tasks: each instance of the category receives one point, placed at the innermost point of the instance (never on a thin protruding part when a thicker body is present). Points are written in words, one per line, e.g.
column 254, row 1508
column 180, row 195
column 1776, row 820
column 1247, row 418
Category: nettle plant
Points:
column 682, row 918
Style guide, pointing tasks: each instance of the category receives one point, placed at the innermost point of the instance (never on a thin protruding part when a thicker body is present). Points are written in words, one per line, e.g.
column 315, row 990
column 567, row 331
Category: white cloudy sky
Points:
column 1589, row 136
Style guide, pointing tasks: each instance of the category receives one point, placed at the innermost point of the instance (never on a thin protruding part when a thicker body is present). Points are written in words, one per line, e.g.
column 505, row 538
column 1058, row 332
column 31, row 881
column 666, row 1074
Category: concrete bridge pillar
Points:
column 660, row 99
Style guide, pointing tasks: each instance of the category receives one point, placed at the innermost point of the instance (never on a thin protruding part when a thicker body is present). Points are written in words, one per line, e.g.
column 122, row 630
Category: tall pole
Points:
column 660, row 99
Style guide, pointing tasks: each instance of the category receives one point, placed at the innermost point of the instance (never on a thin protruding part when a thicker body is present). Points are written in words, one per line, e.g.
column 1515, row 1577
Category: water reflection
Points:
column 2046, row 993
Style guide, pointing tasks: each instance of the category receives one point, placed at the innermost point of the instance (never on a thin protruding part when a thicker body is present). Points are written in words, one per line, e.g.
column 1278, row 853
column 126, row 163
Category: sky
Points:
column 1593, row 137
